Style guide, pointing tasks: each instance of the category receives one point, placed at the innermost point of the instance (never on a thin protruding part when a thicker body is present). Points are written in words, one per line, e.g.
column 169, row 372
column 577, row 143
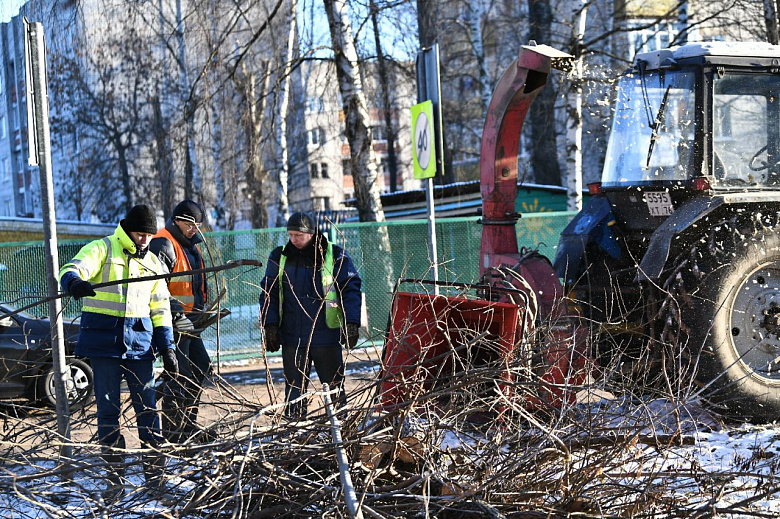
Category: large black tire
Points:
column 733, row 321
column 79, row 389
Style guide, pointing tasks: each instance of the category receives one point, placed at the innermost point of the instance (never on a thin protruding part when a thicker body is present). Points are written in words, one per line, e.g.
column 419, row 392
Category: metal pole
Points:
column 429, row 87
column 38, row 101
column 341, row 457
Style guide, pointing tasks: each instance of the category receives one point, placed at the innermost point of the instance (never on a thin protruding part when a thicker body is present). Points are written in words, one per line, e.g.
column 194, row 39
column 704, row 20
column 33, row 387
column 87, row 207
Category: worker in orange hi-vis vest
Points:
column 177, row 247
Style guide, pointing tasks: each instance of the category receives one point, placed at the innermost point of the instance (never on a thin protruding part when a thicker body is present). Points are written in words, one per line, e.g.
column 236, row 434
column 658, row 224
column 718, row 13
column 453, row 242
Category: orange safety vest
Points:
column 181, row 287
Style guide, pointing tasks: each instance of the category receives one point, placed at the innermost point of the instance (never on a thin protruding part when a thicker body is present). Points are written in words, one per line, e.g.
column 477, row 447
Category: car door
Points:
column 16, row 342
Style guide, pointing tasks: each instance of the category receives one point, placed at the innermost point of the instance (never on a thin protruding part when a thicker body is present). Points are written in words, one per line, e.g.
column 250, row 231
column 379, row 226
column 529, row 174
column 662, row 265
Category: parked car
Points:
column 26, row 366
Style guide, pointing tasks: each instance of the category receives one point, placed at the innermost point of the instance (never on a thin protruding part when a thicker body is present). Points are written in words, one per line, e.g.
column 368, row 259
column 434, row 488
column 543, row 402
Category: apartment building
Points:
column 19, row 185
column 330, row 182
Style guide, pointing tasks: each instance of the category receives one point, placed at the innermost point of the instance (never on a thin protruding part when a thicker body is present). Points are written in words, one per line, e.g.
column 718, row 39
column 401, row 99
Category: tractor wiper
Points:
column 657, row 122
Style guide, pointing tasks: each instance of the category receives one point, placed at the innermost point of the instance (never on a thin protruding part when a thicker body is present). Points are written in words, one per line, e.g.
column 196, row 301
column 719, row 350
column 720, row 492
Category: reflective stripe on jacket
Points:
column 109, row 259
column 181, row 288
column 127, row 320
column 303, row 298
column 334, row 315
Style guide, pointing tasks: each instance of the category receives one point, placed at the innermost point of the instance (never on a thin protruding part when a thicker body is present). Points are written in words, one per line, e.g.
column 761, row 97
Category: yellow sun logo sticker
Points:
column 531, row 231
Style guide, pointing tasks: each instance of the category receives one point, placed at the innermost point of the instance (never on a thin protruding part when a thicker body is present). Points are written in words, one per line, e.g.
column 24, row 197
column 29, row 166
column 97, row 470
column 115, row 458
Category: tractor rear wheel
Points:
column 735, row 323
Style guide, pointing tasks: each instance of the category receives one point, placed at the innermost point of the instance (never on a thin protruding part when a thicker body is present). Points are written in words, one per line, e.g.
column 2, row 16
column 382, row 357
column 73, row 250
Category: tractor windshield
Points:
column 652, row 130
column 745, row 130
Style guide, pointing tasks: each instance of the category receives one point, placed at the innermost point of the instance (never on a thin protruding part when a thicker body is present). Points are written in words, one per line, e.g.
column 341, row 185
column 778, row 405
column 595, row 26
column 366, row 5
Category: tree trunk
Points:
column 544, row 151
column 282, row 206
column 124, row 174
column 191, row 177
column 256, row 174
column 384, row 85
column 163, row 160
column 770, row 18
column 427, row 11
column 361, row 149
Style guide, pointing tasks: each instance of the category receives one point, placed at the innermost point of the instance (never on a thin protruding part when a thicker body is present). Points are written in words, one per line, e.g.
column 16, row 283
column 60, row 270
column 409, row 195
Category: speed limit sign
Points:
column 423, row 151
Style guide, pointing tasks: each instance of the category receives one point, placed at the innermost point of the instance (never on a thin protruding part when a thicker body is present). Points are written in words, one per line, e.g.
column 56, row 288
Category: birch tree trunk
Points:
column 277, row 213
column 363, row 160
column 356, row 118
column 479, row 14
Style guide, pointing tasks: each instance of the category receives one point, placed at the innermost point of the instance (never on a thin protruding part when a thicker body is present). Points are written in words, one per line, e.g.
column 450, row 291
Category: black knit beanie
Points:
column 188, row 210
column 301, row 222
column 140, row 218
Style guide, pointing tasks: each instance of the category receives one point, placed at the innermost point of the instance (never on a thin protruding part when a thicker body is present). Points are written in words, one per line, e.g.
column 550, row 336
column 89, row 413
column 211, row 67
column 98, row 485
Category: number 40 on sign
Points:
column 423, row 151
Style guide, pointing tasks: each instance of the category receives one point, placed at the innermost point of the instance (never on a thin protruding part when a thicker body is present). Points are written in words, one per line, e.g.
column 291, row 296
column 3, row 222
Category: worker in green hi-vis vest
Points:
column 310, row 304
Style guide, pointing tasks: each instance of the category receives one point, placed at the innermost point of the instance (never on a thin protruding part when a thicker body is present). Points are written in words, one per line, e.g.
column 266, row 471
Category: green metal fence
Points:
column 22, row 270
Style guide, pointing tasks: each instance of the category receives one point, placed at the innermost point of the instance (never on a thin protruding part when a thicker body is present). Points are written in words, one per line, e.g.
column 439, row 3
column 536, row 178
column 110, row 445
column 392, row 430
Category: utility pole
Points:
column 39, row 140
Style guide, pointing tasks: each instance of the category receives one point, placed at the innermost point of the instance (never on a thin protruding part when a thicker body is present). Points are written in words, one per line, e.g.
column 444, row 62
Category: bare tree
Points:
column 111, row 116
column 362, row 157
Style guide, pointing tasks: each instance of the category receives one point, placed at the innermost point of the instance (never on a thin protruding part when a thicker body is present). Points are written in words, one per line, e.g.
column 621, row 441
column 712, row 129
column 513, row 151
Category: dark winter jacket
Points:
column 303, row 308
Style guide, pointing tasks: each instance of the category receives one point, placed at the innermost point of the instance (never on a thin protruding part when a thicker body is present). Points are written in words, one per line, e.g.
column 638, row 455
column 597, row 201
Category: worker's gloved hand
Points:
column 80, row 288
column 353, row 333
column 182, row 323
column 170, row 363
column 272, row 340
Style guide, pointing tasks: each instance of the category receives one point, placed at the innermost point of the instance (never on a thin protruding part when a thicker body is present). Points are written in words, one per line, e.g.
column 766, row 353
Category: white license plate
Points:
column 659, row 203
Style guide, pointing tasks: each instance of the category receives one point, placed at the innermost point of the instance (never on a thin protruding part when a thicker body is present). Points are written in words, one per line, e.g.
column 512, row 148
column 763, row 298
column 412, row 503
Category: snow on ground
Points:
column 717, row 471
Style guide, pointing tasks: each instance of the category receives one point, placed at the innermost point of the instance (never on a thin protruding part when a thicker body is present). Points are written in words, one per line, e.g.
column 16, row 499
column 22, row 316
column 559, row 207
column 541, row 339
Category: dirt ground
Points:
column 238, row 389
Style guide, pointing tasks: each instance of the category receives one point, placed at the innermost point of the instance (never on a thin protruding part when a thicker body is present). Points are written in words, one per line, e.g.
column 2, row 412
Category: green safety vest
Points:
column 334, row 315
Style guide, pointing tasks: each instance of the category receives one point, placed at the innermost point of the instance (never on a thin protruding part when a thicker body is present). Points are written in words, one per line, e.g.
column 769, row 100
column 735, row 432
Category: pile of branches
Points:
column 470, row 439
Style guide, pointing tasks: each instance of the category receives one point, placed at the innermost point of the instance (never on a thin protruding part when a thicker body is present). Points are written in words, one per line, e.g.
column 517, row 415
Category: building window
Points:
column 3, row 128
column 652, row 38
column 317, row 137
column 314, row 168
column 346, row 168
column 324, row 170
column 378, row 133
column 321, row 203
column 5, row 170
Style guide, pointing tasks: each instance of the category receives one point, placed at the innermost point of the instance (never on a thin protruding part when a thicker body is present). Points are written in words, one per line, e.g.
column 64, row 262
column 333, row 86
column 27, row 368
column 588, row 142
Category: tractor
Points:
column 670, row 272
column 675, row 259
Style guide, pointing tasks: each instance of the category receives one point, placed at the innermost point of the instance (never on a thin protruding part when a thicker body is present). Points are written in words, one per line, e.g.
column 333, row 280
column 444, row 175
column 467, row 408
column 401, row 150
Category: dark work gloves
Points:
column 170, row 364
column 181, row 323
column 272, row 340
column 79, row 288
column 353, row 332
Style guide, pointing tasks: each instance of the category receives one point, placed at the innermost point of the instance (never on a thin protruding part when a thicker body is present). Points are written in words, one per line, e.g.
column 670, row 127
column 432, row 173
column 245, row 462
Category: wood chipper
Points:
column 515, row 318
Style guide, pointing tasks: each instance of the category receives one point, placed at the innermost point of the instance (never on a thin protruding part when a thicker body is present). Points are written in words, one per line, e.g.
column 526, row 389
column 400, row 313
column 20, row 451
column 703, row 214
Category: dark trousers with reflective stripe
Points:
column 298, row 360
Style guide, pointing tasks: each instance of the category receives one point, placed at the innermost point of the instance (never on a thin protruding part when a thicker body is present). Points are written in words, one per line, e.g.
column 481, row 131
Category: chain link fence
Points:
column 22, row 268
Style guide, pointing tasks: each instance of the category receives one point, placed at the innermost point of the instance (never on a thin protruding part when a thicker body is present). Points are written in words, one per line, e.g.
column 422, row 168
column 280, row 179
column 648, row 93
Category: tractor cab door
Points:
column 746, row 130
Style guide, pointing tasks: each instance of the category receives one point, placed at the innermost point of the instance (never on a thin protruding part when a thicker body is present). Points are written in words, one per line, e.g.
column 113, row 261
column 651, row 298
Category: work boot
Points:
column 154, row 474
column 115, row 470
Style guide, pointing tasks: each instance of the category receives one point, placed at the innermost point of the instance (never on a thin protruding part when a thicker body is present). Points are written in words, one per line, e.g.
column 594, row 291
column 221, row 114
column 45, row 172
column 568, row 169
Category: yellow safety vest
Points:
column 334, row 315
column 105, row 260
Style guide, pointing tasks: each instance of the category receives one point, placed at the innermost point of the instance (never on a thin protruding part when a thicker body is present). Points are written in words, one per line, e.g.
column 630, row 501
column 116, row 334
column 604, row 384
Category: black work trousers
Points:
column 181, row 398
column 297, row 361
